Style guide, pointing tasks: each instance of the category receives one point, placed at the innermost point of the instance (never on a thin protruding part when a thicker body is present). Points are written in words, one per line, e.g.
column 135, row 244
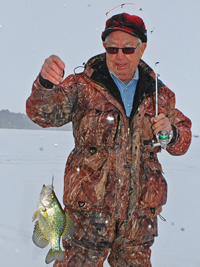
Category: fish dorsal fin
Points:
column 38, row 238
column 54, row 255
column 69, row 228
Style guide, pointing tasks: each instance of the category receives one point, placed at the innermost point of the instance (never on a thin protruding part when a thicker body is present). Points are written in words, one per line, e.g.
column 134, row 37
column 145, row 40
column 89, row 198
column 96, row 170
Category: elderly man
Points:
column 113, row 184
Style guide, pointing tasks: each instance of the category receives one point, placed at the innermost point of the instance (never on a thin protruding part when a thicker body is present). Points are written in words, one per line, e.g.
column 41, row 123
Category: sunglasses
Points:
column 125, row 50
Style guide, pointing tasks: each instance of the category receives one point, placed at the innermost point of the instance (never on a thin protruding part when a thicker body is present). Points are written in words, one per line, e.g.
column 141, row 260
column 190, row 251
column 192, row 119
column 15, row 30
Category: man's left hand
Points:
column 160, row 123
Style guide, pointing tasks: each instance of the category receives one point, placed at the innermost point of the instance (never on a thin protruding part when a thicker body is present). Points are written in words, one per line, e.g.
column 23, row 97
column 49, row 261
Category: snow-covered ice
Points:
column 28, row 159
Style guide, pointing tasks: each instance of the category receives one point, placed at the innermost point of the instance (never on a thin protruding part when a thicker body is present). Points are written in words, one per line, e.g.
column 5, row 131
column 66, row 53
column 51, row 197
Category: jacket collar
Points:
column 97, row 70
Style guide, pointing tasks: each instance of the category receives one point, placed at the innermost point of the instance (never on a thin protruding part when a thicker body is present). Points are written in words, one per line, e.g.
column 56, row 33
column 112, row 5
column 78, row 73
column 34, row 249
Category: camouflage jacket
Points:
column 111, row 169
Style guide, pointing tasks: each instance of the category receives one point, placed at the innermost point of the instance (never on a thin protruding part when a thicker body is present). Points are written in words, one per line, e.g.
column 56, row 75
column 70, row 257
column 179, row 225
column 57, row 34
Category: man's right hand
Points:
column 52, row 69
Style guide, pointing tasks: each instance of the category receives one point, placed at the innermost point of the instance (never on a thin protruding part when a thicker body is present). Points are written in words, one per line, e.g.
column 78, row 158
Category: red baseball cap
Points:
column 131, row 24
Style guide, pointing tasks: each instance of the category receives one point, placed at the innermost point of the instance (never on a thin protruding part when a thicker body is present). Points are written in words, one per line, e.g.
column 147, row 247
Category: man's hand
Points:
column 161, row 123
column 52, row 69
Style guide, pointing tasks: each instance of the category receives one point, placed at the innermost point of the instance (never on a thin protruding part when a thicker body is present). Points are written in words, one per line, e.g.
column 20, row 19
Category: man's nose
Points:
column 120, row 54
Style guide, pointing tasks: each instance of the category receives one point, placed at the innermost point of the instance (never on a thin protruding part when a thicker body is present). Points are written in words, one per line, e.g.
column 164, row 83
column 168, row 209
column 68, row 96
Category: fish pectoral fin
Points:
column 69, row 228
column 38, row 237
column 45, row 215
column 54, row 255
column 35, row 216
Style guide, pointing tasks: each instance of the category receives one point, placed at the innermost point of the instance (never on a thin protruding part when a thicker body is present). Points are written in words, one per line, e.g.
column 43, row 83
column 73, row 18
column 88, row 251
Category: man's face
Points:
column 123, row 65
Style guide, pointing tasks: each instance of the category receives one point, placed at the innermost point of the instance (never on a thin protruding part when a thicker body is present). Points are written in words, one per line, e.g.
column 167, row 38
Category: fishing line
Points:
column 55, row 145
column 53, row 181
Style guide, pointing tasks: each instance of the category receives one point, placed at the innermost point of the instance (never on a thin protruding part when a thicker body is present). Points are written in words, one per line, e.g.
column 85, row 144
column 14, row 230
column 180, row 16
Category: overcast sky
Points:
column 31, row 31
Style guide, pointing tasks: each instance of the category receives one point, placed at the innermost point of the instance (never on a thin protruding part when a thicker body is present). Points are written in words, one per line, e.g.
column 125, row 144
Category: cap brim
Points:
column 108, row 31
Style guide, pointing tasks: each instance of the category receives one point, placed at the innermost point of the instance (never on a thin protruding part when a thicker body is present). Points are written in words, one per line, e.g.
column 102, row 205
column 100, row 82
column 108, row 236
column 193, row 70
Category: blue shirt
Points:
column 127, row 91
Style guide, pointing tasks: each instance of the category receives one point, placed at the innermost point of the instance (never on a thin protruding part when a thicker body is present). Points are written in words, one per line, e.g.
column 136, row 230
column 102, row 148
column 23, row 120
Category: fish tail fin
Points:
column 69, row 228
column 54, row 255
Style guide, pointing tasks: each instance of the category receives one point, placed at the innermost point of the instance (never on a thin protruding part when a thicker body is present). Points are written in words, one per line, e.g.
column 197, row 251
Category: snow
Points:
column 29, row 158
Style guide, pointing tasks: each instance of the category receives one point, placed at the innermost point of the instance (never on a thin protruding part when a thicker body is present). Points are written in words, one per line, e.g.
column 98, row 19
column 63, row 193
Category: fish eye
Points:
column 51, row 195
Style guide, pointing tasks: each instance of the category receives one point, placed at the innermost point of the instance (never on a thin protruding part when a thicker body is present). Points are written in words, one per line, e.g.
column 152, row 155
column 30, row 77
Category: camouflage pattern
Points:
column 111, row 170
column 98, row 234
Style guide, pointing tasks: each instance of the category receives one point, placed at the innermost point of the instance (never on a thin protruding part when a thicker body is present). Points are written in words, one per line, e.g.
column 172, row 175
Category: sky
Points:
column 31, row 31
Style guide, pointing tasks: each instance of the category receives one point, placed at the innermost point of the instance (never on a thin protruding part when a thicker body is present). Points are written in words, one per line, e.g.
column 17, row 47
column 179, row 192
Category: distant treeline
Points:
column 10, row 120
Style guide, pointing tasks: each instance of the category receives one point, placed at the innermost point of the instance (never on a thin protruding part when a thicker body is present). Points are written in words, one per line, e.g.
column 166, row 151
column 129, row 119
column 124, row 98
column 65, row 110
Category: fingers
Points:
column 160, row 123
column 52, row 69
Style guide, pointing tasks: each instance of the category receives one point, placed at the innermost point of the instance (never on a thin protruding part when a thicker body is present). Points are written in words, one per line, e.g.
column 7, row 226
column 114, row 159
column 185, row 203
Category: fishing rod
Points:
column 163, row 137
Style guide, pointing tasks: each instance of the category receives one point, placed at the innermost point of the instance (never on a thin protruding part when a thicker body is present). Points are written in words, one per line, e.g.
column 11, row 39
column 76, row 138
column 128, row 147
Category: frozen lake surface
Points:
column 28, row 159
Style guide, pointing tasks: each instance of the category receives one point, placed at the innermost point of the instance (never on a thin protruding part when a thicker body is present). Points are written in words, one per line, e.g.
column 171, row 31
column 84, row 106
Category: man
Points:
column 113, row 185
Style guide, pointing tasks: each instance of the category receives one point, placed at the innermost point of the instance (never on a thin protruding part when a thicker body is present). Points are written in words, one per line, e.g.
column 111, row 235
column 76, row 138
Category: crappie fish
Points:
column 52, row 223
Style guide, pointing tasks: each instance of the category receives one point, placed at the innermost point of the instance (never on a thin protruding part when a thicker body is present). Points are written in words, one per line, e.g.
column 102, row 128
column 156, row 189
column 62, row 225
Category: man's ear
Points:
column 143, row 47
column 104, row 45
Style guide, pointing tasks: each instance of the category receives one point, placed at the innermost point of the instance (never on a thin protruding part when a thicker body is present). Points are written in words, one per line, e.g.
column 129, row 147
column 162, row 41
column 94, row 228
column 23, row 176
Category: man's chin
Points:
column 122, row 76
